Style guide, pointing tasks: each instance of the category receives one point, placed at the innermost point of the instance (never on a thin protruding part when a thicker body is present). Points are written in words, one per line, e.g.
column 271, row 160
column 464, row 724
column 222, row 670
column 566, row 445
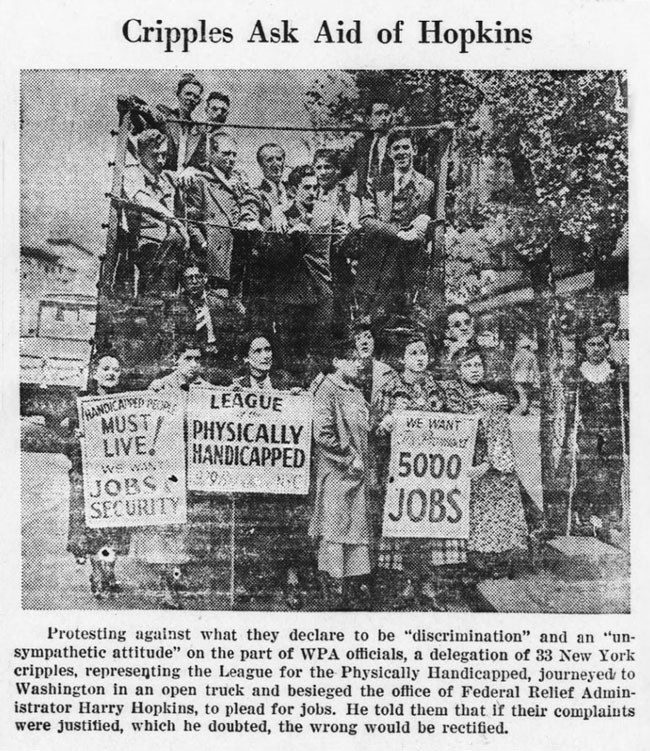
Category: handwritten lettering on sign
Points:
column 133, row 460
column 428, row 488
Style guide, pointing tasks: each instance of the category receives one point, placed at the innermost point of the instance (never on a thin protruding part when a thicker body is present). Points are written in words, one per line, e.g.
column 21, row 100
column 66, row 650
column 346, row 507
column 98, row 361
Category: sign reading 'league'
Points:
column 428, row 487
column 249, row 441
column 133, row 460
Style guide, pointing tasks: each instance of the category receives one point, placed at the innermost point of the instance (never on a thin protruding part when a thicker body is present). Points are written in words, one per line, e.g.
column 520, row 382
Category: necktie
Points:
column 373, row 161
column 182, row 146
column 204, row 322
column 201, row 319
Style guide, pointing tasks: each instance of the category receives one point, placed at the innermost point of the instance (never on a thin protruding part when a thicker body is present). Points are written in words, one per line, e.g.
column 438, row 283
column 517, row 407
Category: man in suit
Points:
column 161, row 238
column 370, row 157
column 204, row 315
column 395, row 217
column 186, row 144
column 345, row 244
column 303, row 277
column 272, row 189
column 258, row 281
column 186, row 141
column 221, row 199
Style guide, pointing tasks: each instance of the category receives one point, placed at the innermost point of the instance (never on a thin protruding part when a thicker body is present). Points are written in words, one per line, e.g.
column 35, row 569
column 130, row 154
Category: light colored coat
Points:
column 341, row 513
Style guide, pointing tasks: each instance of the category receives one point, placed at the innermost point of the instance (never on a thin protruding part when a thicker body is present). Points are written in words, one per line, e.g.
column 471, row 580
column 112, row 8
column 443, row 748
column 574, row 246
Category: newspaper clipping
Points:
column 324, row 384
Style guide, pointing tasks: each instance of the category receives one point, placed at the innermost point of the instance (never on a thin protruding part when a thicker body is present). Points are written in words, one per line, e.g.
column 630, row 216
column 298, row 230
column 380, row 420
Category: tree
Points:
column 564, row 136
column 564, row 133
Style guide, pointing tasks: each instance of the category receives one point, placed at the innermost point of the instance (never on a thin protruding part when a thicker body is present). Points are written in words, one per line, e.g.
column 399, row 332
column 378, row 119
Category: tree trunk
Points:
column 552, row 381
column 436, row 276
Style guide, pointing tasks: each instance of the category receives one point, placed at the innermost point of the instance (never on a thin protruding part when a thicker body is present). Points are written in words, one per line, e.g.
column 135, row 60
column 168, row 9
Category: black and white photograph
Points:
column 325, row 340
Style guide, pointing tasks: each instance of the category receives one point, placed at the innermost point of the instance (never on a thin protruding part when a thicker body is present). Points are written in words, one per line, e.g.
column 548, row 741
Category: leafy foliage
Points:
column 565, row 134
column 562, row 133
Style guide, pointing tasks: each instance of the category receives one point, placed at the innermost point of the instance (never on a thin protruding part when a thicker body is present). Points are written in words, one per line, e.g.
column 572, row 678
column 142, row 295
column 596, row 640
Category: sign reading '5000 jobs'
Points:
column 248, row 441
column 428, row 486
column 133, row 460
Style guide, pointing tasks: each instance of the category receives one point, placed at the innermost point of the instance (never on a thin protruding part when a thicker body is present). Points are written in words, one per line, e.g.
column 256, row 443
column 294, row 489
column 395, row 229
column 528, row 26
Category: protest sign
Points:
column 133, row 460
column 249, row 441
column 428, row 487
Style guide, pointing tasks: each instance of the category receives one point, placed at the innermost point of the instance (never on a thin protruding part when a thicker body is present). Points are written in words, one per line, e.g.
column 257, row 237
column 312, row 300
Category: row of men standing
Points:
column 317, row 248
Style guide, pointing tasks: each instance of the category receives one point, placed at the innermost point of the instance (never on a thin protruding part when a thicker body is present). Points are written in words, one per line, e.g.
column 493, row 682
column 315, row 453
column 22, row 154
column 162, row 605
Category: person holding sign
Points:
column 341, row 520
column 413, row 559
column 257, row 355
column 102, row 546
column 165, row 547
column 273, row 511
column 498, row 529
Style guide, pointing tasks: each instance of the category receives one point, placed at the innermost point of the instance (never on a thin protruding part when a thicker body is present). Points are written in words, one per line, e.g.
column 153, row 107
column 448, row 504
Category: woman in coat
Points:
column 341, row 520
column 101, row 546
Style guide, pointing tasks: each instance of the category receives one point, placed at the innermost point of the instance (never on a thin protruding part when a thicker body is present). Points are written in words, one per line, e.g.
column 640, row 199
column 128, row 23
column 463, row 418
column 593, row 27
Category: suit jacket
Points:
column 267, row 201
column 141, row 187
column 387, row 265
column 258, row 262
column 358, row 159
column 377, row 204
column 303, row 273
column 195, row 150
column 184, row 313
column 213, row 199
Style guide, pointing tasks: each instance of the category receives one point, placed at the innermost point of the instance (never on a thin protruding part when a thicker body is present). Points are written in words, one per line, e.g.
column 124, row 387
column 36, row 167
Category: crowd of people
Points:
column 343, row 237
column 315, row 284
column 337, row 528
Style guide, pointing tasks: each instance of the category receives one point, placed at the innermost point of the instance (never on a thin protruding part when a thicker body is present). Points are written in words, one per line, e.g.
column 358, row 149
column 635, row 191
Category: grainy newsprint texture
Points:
column 324, row 340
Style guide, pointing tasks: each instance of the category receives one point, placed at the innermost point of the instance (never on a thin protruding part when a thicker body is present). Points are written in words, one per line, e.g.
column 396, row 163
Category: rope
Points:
column 309, row 129
column 146, row 210
column 300, row 128
column 263, row 231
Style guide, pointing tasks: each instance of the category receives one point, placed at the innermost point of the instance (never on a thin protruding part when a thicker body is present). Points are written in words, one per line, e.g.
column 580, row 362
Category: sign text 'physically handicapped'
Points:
column 133, row 460
column 249, row 441
column 428, row 487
